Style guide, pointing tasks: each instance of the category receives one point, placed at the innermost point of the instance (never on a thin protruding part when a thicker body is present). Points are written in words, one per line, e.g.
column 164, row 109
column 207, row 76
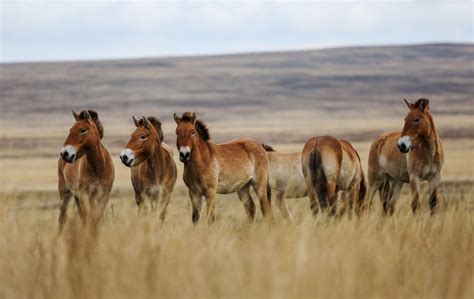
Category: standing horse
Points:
column 286, row 178
column 416, row 154
column 211, row 168
column 153, row 168
column 331, row 165
column 85, row 170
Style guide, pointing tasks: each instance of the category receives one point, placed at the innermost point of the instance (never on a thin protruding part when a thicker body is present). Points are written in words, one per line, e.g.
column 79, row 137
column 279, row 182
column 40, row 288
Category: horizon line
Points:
column 232, row 53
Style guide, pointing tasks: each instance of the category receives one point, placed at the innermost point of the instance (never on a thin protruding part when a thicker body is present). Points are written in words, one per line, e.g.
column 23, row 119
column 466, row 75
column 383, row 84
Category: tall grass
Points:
column 403, row 256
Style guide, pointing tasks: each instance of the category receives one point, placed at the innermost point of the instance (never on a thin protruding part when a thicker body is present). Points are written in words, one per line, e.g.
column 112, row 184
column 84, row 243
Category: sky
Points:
column 81, row 30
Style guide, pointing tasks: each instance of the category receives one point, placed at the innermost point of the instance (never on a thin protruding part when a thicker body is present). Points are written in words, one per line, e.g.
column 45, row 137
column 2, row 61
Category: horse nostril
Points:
column 65, row 154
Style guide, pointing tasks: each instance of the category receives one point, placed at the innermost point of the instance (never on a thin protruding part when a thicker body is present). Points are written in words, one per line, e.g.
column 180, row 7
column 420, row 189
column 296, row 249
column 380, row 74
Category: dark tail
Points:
column 318, row 177
column 267, row 147
column 269, row 190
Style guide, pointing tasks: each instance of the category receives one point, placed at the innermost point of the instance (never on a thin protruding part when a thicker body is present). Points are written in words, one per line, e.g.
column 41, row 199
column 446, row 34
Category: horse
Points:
column 85, row 170
column 286, row 178
column 153, row 169
column 330, row 165
column 413, row 155
column 230, row 167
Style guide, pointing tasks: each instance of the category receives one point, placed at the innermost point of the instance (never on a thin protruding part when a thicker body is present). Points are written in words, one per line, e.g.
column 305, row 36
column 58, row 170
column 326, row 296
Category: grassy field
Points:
column 279, row 98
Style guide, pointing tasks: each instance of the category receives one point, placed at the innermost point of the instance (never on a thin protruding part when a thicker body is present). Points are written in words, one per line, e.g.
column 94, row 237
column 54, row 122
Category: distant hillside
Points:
column 367, row 81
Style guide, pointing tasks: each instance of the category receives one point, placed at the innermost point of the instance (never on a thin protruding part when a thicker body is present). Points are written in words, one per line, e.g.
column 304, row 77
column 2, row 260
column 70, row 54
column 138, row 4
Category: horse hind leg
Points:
column 261, row 189
column 282, row 205
column 247, row 201
column 394, row 194
column 433, row 192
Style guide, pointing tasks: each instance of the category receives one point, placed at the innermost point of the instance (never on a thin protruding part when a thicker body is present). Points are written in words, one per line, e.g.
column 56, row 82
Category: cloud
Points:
column 48, row 30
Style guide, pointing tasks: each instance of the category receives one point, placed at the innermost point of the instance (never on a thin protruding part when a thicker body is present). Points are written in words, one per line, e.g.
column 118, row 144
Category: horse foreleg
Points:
column 84, row 208
column 99, row 208
column 415, row 190
column 432, row 191
column 196, row 201
column 163, row 201
column 65, row 197
column 395, row 191
column 247, row 201
column 210, row 205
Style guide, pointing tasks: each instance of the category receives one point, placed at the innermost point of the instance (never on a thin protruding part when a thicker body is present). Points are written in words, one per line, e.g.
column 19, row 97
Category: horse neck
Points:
column 155, row 160
column 95, row 157
column 201, row 155
column 432, row 140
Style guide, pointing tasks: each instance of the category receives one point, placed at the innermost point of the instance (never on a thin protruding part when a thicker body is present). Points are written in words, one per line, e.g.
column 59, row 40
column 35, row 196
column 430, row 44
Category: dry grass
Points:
column 279, row 98
column 372, row 257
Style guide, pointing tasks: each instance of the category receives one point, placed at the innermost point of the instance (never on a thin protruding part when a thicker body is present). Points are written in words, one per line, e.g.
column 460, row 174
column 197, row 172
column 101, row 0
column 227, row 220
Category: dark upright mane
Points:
column 201, row 127
column 267, row 147
column 156, row 123
column 95, row 119
column 422, row 103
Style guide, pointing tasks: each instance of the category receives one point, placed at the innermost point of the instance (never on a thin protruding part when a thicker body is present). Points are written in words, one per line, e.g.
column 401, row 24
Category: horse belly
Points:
column 296, row 189
column 232, row 180
column 395, row 167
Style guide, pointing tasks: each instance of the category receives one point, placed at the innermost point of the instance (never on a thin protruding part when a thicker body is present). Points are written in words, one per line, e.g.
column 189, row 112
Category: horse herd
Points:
column 324, row 168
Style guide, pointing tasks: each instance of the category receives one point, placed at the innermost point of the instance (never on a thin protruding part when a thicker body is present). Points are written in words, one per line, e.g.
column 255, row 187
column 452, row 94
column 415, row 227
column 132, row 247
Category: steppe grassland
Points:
column 402, row 256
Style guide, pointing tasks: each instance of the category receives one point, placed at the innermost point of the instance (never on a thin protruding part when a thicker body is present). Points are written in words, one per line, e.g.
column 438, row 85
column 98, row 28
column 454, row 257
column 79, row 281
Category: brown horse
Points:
column 153, row 168
column 85, row 170
column 416, row 154
column 211, row 168
column 331, row 165
column 286, row 178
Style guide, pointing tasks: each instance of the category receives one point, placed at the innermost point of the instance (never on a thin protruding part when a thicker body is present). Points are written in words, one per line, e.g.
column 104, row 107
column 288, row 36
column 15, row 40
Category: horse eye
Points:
column 417, row 120
column 177, row 133
column 143, row 137
column 83, row 131
column 194, row 133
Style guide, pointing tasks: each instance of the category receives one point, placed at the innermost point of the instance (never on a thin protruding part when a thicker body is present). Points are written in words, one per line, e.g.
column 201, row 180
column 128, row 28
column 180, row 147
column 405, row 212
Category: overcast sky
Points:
column 71, row 30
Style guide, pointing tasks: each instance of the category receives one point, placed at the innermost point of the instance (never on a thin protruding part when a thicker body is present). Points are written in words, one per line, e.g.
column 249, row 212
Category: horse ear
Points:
column 146, row 122
column 87, row 115
column 176, row 118
column 135, row 121
column 409, row 104
column 193, row 118
column 423, row 104
column 76, row 116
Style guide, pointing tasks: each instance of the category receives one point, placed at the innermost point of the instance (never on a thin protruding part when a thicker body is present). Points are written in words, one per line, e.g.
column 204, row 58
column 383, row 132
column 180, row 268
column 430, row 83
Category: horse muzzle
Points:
column 184, row 154
column 127, row 157
column 404, row 144
column 68, row 153
column 184, row 157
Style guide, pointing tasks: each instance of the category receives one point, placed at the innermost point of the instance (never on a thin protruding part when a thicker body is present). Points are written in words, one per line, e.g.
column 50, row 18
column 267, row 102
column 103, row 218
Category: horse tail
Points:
column 269, row 190
column 316, row 172
column 362, row 190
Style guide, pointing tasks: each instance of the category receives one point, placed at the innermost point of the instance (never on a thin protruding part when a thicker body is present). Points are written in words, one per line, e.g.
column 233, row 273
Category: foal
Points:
column 416, row 154
column 85, row 170
column 331, row 165
column 153, row 168
column 286, row 178
column 211, row 168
